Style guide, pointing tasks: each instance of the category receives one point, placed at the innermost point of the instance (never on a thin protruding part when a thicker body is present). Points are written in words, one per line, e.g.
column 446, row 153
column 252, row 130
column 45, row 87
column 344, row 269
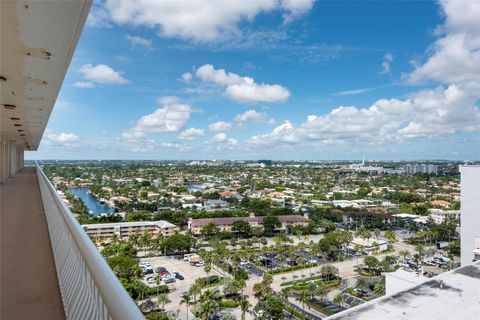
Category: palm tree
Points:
column 311, row 287
column 140, row 288
column 195, row 290
column 404, row 254
column 320, row 290
column 145, row 241
column 187, row 299
column 328, row 271
column 390, row 236
column 361, row 283
column 338, row 299
column 206, row 310
column 304, row 298
column 367, row 235
column 420, row 250
column 244, row 306
column 358, row 248
column 286, row 292
column 134, row 240
column 162, row 300
column 379, row 289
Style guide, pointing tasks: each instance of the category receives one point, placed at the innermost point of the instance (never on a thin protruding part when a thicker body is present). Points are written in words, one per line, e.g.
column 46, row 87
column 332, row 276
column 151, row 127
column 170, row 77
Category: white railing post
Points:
column 89, row 288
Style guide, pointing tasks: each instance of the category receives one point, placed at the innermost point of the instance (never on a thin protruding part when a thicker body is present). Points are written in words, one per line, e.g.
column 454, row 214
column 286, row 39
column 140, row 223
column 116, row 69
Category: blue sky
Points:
column 275, row 79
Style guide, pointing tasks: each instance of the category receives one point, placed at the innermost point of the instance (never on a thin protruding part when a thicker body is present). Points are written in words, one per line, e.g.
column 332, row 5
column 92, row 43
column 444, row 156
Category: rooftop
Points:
column 231, row 220
column 161, row 224
column 450, row 295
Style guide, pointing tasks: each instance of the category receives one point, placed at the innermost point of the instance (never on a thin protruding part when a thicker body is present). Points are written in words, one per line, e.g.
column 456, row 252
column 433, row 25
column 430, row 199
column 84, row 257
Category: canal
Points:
column 92, row 204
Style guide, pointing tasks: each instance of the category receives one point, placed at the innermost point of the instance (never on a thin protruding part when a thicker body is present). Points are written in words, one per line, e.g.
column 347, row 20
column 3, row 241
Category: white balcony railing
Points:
column 89, row 288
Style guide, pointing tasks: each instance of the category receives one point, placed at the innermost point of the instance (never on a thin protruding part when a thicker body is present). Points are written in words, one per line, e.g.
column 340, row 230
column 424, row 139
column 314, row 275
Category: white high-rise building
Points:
column 420, row 168
column 470, row 211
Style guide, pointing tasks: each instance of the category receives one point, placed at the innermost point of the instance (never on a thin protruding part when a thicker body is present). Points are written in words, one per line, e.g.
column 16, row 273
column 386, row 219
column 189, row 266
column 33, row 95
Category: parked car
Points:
column 169, row 280
column 360, row 292
column 160, row 269
column 167, row 276
column 200, row 264
column 148, row 270
column 179, row 276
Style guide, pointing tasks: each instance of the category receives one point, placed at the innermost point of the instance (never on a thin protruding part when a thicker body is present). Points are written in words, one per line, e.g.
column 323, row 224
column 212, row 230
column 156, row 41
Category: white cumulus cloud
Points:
column 187, row 76
column 242, row 89
column 455, row 57
column 172, row 117
column 139, row 41
column 222, row 138
column 387, row 60
column 254, row 117
column 200, row 20
column 191, row 133
column 220, row 126
column 425, row 114
column 101, row 73
column 52, row 138
column 83, row 84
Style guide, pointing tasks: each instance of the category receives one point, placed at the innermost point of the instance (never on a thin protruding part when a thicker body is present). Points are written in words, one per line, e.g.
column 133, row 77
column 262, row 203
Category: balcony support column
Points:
column 11, row 159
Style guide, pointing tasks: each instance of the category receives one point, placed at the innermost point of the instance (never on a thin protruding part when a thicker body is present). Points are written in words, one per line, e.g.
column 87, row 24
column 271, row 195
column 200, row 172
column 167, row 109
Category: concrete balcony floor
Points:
column 29, row 285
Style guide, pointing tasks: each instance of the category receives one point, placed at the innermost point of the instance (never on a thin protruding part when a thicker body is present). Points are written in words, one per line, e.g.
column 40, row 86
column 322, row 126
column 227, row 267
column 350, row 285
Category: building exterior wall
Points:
column 127, row 231
column 440, row 216
column 11, row 158
column 476, row 251
column 470, row 211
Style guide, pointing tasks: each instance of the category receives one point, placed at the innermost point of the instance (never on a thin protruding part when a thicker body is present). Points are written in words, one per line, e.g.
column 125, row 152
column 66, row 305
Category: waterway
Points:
column 94, row 205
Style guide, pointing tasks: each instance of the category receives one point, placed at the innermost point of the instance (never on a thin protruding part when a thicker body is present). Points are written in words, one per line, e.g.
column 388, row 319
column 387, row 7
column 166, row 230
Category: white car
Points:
column 167, row 276
column 200, row 264
column 151, row 280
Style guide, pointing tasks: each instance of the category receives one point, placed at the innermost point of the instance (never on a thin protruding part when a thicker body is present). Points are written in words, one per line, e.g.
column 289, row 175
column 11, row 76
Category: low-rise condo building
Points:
column 226, row 224
column 127, row 229
column 440, row 216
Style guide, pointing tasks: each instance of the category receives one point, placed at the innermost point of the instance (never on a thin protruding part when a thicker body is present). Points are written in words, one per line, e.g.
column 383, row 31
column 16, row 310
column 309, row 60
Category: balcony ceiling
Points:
column 37, row 40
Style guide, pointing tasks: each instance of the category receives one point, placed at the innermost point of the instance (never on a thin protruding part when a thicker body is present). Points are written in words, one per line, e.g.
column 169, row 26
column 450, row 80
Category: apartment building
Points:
column 470, row 212
column 440, row 216
column 127, row 229
column 212, row 205
column 420, row 169
column 226, row 224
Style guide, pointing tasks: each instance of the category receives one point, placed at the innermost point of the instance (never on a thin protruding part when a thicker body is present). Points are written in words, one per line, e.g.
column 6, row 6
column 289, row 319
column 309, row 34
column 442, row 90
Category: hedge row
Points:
column 207, row 281
column 293, row 268
column 287, row 283
column 156, row 290
column 295, row 313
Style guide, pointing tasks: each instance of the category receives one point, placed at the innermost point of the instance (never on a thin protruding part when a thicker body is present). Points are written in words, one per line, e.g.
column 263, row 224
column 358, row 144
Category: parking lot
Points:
column 189, row 272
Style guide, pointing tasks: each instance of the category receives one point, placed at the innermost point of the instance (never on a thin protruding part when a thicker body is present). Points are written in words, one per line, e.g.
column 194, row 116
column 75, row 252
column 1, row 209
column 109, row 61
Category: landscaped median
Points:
column 301, row 284
column 210, row 281
column 293, row 268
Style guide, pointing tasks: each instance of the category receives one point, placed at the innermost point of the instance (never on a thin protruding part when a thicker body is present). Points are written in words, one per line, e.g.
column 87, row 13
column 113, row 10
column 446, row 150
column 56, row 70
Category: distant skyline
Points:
column 271, row 79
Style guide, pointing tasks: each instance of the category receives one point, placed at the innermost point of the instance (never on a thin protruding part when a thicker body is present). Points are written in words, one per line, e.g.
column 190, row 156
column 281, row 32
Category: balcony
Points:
column 29, row 286
column 50, row 268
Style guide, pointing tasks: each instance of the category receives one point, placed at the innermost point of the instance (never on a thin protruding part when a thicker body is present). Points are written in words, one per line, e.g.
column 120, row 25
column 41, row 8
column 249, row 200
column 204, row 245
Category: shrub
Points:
column 202, row 282
column 157, row 290
column 292, row 268
column 228, row 304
